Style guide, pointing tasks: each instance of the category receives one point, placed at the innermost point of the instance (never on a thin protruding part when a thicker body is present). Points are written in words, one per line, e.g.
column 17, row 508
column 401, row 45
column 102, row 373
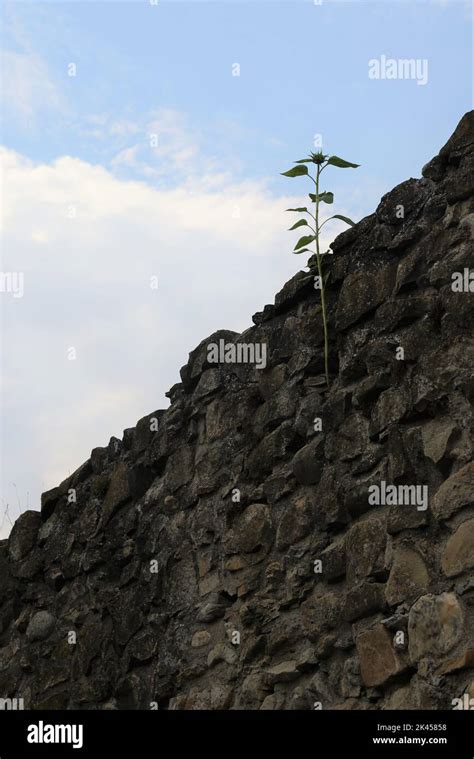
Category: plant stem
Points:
column 323, row 296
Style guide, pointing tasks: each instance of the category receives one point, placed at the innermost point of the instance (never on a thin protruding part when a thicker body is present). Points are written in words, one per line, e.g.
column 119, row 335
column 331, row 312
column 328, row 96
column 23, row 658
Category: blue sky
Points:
column 94, row 209
column 303, row 71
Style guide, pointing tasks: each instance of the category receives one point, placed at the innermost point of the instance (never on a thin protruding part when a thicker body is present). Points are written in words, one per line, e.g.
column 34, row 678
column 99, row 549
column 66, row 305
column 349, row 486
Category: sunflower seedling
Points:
column 300, row 169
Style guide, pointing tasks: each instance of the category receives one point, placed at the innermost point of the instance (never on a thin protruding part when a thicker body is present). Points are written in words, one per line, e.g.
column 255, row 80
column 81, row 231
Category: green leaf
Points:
column 303, row 250
column 305, row 160
column 300, row 223
column 304, row 241
column 299, row 210
column 344, row 218
column 326, row 197
column 296, row 171
column 334, row 160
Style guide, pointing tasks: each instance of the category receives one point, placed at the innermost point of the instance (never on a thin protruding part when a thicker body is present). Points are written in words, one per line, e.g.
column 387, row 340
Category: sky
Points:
column 142, row 202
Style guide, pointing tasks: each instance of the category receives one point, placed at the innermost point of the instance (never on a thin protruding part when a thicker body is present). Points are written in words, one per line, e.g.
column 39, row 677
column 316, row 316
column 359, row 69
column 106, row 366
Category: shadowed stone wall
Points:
column 267, row 543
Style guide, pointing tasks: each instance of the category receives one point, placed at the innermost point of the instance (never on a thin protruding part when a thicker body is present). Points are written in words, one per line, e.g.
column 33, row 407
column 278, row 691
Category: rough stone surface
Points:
column 458, row 556
column 408, row 576
column 40, row 626
column 456, row 493
column 23, row 535
column 379, row 661
column 435, row 625
column 225, row 555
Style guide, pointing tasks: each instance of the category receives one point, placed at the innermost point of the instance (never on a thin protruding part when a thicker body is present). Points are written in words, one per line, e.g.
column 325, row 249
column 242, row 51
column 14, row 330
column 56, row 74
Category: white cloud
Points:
column 168, row 146
column 128, row 158
column 177, row 141
column 28, row 89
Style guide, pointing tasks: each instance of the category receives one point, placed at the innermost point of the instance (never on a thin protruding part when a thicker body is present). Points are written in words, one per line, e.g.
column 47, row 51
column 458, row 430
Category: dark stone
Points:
column 308, row 463
column 364, row 599
column 49, row 500
column 23, row 535
column 213, row 608
column 198, row 362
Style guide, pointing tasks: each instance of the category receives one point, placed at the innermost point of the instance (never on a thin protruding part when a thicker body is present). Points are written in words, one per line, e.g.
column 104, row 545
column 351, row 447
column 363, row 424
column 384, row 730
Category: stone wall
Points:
column 267, row 543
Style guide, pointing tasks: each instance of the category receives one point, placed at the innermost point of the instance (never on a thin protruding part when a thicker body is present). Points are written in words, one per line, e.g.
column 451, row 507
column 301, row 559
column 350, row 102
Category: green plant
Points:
column 301, row 169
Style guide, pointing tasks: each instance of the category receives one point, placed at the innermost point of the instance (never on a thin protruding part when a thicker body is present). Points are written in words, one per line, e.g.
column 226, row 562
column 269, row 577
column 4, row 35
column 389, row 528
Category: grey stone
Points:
column 40, row 626
column 23, row 535
column 435, row 625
